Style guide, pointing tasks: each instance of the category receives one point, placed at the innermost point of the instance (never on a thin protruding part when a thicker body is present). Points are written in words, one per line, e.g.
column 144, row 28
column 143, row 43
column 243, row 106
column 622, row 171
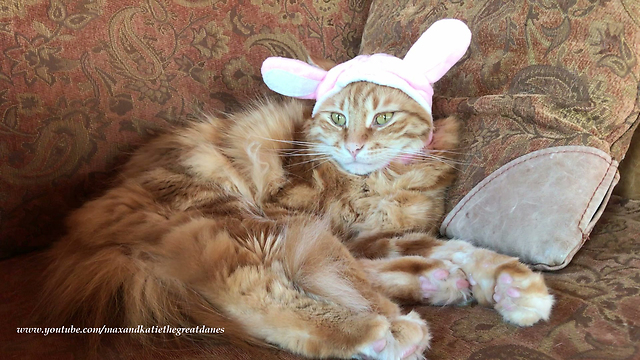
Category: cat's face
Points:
column 365, row 127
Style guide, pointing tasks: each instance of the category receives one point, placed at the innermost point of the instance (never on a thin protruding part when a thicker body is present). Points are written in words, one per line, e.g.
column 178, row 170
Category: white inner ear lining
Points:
column 290, row 84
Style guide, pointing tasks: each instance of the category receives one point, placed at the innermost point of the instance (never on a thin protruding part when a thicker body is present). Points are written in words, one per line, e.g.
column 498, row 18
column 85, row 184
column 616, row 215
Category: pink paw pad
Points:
column 462, row 284
column 442, row 286
column 410, row 350
column 440, row 274
column 509, row 292
column 513, row 292
column 505, row 279
column 426, row 285
column 379, row 345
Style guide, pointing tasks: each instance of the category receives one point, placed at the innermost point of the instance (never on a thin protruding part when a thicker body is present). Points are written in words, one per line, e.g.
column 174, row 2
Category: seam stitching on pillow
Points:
column 514, row 165
column 606, row 174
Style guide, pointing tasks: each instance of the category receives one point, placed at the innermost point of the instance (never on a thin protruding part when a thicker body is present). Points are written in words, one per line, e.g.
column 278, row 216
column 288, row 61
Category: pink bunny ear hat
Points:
column 435, row 52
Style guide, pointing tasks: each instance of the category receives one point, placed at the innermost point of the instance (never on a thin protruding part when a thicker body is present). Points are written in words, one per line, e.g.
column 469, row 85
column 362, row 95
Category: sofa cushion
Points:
column 535, row 77
column 596, row 315
column 629, row 185
column 83, row 82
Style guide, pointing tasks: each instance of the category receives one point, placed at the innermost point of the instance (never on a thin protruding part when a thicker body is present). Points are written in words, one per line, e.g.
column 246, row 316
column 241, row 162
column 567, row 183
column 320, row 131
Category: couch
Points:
column 84, row 82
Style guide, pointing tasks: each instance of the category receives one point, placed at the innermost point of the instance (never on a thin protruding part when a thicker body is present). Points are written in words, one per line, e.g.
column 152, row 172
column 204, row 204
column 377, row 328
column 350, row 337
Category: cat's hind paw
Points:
column 521, row 297
column 407, row 338
column 445, row 285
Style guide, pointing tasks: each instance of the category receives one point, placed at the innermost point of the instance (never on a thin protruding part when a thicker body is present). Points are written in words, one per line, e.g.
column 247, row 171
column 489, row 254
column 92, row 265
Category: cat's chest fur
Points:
column 399, row 199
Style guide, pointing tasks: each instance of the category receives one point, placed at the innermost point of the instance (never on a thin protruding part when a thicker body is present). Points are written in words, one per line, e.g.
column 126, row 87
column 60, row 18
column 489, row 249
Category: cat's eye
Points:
column 338, row 119
column 383, row 118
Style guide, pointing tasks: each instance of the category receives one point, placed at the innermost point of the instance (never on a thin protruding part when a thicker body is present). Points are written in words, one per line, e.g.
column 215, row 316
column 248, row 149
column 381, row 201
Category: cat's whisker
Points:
column 293, row 142
column 300, row 151
column 320, row 163
column 451, row 152
column 295, row 152
column 297, row 149
column 314, row 151
column 449, row 161
column 320, row 160
column 428, row 152
column 308, row 154
column 453, row 165
column 441, row 158
column 432, row 155
column 423, row 156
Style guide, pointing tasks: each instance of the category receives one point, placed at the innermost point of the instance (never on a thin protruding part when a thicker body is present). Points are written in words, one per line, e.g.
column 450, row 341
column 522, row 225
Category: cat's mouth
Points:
column 355, row 165
column 361, row 168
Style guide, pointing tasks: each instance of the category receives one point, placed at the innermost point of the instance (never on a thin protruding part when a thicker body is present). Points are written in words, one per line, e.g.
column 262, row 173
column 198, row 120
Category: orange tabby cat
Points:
column 289, row 230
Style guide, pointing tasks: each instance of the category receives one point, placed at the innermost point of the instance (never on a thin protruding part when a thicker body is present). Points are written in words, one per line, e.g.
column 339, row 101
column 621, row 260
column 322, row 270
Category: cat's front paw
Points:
column 407, row 338
column 521, row 296
column 445, row 285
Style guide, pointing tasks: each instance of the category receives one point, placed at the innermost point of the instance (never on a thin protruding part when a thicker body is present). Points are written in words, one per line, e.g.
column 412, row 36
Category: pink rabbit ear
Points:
column 292, row 77
column 439, row 48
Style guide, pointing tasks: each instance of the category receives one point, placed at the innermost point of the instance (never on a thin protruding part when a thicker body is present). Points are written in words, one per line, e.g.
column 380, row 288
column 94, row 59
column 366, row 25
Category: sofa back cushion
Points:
column 538, row 75
column 83, row 83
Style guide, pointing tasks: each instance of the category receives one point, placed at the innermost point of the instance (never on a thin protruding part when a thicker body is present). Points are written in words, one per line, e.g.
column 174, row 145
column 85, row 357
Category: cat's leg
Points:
column 399, row 271
column 515, row 291
column 292, row 284
column 317, row 327
column 416, row 279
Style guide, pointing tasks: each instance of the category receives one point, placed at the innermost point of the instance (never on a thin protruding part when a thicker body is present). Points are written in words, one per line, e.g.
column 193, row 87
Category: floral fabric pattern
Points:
column 83, row 82
column 629, row 186
column 596, row 315
column 538, row 74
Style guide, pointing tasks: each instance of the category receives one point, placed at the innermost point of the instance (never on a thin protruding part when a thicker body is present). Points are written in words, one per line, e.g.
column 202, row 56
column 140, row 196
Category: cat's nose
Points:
column 354, row 148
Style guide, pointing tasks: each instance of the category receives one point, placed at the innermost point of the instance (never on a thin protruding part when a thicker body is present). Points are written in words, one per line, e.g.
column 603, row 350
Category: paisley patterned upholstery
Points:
column 538, row 74
column 83, row 82
column 629, row 185
column 596, row 315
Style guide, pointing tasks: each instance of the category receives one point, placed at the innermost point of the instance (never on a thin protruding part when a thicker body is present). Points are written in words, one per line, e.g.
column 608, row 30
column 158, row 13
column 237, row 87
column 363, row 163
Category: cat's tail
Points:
column 106, row 291
column 287, row 282
column 192, row 272
column 111, row 272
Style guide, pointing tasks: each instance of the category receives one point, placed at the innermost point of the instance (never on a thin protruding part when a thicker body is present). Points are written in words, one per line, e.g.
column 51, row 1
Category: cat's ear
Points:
column 292, row 77
column 439, row 48
column 322, row 63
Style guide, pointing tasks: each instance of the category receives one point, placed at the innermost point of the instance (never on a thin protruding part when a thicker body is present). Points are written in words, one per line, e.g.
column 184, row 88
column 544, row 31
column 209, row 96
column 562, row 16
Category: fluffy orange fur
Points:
column 268, row 223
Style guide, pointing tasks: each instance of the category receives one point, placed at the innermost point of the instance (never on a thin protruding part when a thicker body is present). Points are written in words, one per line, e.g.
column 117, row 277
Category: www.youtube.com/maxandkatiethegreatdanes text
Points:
column 140, row 329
